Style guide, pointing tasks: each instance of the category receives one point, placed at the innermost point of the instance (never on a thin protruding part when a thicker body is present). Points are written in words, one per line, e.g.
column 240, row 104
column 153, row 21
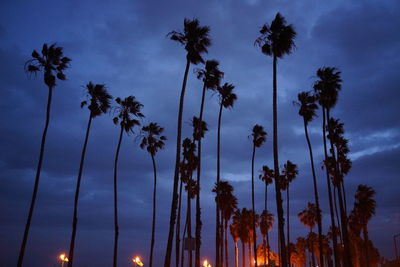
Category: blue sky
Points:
column 123, row 44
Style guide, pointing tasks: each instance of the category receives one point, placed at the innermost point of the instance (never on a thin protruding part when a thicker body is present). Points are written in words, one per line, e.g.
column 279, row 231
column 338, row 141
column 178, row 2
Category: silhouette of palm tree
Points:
column 307, row 109
column 258, row 138
column 266, row 222
column 277, row 40
column 152, row 141
column 53, row 64
column 289, row 173
column 195, row 39
column 127, row 111
column 240, row 220
column 327, row 89
column 364, row 208
column 98, row 103
column 308, row 217
column 226, row 99
column 235, row 236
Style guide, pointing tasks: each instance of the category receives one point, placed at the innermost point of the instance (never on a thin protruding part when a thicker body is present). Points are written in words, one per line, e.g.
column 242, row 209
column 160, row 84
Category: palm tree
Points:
column 327, row 88
column 53, row 64
column 364, row 208
column 127, row 111
column 307, row 111
column 187, row 167
column 267, row 176
column 99, row 100
column 152, row 141
column 195, row 39
column 211, row 77
column 258, row 138
column 226, row 99
column 228, row 209
column 240, row 220
column 266, row 221
column 308, row 217
column 277, row 40
column 235, row 236
column 289, row 173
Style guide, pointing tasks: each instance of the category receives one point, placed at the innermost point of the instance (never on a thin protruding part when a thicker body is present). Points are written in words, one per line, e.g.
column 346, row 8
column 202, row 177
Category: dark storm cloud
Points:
column 124, row 45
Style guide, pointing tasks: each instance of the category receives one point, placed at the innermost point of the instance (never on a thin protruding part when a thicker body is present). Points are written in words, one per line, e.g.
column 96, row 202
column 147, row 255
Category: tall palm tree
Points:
column 211, row 77
column 308, row 217
column 327, row 89
column 289, row 173
column 259, row 136
column 266, row 222
column 240, row 220
column 53, row 64
column 195, row 39
column 364, row 208
column 307, row 109
column 98, row 103
column 152, row 141
column 277, row 40
column 191, row 188
column 128, row 113
column 226, row 100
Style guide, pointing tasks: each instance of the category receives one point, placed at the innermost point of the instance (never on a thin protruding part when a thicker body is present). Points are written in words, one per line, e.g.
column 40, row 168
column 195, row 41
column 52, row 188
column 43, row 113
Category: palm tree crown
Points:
column 195, row 38
column 266, row 221
column 267, row 175
column 210, row 75
column 365, row 204
column 152, row 139
column 226, row 97
column 308, row 217
column 307, row 106
column 197, row 133
column 277, row 39
column 259, row 135
column 128, row 108
column 289, row 173
column 327, row 86
column 51, row 61
column 99, row 99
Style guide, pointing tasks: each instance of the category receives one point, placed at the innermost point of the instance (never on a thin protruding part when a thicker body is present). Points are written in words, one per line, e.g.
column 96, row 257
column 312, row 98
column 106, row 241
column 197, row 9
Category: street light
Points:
column 63, row 259
column 136, row 261
column 206, row 264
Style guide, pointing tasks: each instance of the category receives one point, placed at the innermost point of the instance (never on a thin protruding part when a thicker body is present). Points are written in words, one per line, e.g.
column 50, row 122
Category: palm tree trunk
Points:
column 343, row 215
column 287, row 226
column 366, row 241
column 337, row 214
column 189, row 216
column 243, row 255
column 217, row 237
column 265, row 250
column 236, row 254
column 333, row 225
column 37, row 178
column 183, row 238
column 221, row 229
column 344, row 196
column 253, row 205
column 319, row 219
column 250, row 256
column 178, row 226
column 78, row 185
column 279, row 208
column 226, row 244
column 174, row 204
column 269, row 257
column 312, row 251
column 198, row 211
column 154, row 211
column 116, row 227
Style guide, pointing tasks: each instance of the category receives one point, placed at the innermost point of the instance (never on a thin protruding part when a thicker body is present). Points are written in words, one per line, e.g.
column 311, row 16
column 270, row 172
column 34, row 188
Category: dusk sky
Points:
column 123, row 44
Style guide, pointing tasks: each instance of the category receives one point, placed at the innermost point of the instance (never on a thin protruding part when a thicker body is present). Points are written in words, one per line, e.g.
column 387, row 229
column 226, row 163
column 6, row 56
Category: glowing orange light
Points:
column 206, row 264
column 63, row 258
column 137, row 261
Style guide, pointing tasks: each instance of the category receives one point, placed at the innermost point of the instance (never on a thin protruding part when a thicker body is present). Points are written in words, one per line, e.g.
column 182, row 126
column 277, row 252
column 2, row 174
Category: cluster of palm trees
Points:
column 341, row 246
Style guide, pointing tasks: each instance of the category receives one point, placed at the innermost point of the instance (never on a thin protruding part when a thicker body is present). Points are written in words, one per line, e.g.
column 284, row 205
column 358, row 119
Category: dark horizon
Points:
column 125, row 47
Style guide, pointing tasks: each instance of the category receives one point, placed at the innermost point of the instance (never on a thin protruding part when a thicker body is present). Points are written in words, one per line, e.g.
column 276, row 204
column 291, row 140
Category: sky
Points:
column 124, row 45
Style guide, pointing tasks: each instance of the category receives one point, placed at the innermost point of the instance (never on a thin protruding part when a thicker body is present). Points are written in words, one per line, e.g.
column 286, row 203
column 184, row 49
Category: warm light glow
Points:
column 206, row 264
column 137, row 261
column 63, row 257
